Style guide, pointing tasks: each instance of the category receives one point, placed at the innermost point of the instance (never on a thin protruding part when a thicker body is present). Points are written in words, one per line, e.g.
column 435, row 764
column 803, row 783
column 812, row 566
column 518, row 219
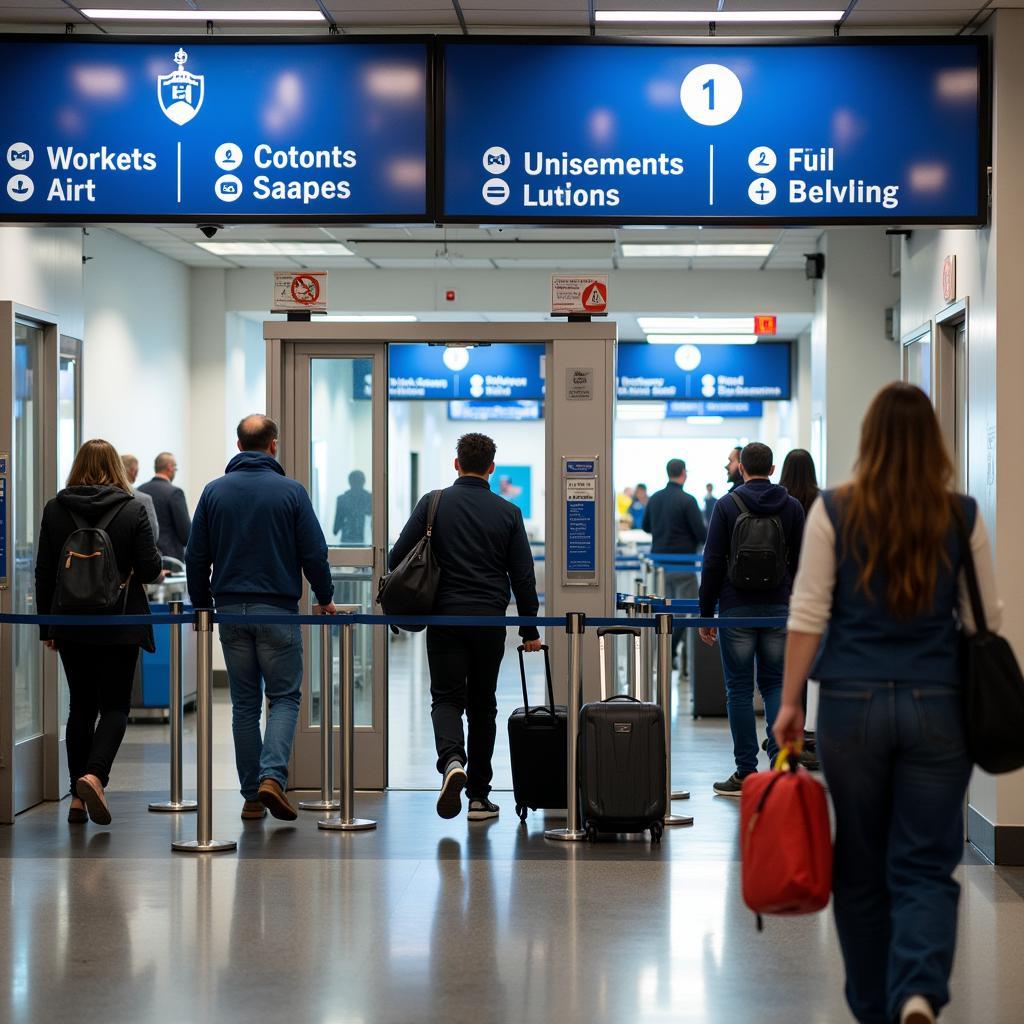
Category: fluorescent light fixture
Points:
column 694, row 250
column 361, row 318
column 721, row 17
column 696, row 324
column 138, row 14
column 701, row 339
column 705, row 421
column 639, row 411
column 276, row 248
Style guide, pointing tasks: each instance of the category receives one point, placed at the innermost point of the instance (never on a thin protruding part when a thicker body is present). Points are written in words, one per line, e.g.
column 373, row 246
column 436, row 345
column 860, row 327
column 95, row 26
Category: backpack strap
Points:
column 739, row 502
column 435, row 500
column 104, row 523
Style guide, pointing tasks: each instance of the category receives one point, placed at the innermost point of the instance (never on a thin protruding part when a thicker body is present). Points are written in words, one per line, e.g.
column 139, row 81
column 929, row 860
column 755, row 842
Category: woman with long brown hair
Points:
column 99, row 661
column 881, row 568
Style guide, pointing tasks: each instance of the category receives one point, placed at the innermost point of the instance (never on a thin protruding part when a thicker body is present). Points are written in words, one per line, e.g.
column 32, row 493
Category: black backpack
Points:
column 757, row 553
column 87, row 576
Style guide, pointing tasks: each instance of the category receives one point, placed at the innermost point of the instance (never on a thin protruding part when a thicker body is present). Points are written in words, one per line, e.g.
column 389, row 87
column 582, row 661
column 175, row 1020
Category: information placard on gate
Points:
column 579, row 528
column 298, row 290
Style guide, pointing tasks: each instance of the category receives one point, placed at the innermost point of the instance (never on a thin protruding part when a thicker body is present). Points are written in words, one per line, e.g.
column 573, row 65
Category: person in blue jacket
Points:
column 258, row 531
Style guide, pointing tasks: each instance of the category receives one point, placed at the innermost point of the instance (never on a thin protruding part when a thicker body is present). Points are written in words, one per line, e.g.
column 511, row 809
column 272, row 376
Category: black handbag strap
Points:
column 970, row 571
column 547, row 675
column 435, row 500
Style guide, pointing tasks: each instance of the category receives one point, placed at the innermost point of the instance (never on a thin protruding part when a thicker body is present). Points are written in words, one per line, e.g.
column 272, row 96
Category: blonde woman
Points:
column 99, row 661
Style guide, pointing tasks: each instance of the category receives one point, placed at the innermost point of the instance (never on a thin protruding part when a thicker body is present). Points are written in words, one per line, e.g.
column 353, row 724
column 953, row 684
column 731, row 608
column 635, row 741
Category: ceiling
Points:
column 484, row 16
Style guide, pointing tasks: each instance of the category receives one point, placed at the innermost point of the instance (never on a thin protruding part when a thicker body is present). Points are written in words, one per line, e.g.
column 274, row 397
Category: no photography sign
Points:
column 303, row 290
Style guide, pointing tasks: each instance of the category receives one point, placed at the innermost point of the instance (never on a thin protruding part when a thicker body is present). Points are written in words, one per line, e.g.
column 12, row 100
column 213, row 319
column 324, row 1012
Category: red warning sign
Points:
column 595, row 297
column 306, row 289
column 765, row 324
column 573, row 295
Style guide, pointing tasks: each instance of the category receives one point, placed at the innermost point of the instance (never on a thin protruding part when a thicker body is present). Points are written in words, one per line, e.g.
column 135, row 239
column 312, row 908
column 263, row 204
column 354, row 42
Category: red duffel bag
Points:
column 786, row 840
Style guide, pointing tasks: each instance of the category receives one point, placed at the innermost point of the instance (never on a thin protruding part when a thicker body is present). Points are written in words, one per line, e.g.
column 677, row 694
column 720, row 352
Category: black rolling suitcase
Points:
column 537, row 741
column 707, row 683
column 621, row 762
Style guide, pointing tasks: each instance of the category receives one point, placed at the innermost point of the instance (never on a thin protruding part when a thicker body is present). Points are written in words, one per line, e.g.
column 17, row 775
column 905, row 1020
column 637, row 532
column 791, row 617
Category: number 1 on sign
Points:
column 709, row 87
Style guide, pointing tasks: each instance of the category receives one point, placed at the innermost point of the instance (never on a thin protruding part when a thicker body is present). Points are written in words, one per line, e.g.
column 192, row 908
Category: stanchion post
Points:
column 176, row 714
column 347, row 821
column 659, row 581
column 663, row 625
column 326, row 801
column 575, row 624
column 204, row 843
column 645, row 685
column 631, row 677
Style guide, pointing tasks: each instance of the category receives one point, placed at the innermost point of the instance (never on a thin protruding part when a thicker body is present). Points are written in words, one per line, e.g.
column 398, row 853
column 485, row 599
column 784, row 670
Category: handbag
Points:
column 410, row 588
column 786, row 840
column 993, row 685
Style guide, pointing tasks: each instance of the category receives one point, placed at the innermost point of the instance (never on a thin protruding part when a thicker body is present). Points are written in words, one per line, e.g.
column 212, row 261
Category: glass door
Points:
column 338, row 453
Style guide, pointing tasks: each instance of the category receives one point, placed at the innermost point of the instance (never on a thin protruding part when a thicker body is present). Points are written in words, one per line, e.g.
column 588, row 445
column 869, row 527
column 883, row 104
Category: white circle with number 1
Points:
column 711, row 94
column 762, row 191
column 762, row 160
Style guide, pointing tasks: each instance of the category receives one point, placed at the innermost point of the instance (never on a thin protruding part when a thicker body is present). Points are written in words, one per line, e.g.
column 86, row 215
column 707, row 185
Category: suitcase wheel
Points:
column 657, row 829
column 591, row 833
column 522, row 811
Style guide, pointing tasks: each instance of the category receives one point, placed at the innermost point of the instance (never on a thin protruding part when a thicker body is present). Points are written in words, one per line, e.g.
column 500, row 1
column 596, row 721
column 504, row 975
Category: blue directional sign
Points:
column 727, row 410
column 192, row 129
column 825, row 133
column 487, row 372
column 710, row 372
column 481, row 412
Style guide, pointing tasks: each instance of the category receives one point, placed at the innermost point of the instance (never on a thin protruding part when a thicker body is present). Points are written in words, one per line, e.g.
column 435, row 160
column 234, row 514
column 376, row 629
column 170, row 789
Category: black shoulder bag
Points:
column 993, row 685
column 410, row 588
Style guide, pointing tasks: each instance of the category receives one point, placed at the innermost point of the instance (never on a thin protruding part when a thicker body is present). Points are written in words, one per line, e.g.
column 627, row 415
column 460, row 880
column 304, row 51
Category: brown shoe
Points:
column 90, row 792
column 252, row 810
column 272, row 797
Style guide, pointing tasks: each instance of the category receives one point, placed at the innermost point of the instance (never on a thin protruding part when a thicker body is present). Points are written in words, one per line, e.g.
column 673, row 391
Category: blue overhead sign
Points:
column 727, row 410
column 193, row 129
column 487, row 372
column 481, row 412
column 710, row 372
column 880, row 131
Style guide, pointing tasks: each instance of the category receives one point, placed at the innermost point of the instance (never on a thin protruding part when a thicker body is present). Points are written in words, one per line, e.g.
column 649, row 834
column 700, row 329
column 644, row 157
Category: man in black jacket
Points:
column 480, row 544
column 676, row 527
column 170, row 505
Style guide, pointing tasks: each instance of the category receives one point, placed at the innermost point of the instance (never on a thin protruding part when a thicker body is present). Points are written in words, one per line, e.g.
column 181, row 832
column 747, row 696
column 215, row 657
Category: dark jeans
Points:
column 464, row 666
column 100, row 680
column 680, row 586
column 742, row 651
column 897, row 767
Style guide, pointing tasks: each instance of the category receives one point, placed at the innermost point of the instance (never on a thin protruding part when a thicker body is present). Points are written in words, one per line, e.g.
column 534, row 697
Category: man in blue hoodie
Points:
column 770, row 525
column 258, row 531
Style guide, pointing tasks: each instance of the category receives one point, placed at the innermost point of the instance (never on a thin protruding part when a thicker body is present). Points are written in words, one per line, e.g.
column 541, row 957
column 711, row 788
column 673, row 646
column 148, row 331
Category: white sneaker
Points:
column 917, row 1010
column 449, row 800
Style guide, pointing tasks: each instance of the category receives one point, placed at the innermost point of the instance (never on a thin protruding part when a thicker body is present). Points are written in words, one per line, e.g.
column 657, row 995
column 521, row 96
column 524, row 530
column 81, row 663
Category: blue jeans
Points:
column 897, row 767
column 259, row 656
column 742, row 649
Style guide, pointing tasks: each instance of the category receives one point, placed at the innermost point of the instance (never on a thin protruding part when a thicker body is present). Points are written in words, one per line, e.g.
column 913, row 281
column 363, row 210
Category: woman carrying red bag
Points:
column 880, row 577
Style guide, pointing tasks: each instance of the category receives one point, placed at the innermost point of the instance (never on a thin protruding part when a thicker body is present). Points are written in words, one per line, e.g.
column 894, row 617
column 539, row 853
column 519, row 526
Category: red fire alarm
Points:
column 449, row 296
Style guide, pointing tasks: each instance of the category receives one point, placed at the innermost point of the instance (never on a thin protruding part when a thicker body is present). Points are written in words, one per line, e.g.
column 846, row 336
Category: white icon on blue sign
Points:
column 711, row 94
column 708, row 385
column 228, row 188
column 476, row 386
column 228, row 156
column 20, row 156
column 180, row 93
column 762, row 160
column 762, row 191
column 496, row 191
column 497, row 160
column 688, row 358
column 20, row 188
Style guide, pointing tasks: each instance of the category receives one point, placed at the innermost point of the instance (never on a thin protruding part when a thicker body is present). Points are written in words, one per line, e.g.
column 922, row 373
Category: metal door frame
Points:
column 952, row 394
column 28, row 770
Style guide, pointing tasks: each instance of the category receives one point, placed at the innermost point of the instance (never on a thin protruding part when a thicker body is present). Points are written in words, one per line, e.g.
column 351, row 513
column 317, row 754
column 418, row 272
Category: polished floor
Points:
column 429, row 921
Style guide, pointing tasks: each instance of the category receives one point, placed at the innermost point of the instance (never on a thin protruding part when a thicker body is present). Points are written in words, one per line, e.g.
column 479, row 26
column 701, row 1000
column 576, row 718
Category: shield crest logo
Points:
column 180, row 93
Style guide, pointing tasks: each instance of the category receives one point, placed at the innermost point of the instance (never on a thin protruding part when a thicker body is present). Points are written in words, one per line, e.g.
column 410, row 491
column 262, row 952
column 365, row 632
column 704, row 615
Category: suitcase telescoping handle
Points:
column 604, row 631
column 547, row 676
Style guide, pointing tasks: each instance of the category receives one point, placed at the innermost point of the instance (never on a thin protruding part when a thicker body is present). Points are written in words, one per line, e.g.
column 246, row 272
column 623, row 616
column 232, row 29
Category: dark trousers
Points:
column 100, row 683
column 680, row 586
column 897, row 767
column 464, row 666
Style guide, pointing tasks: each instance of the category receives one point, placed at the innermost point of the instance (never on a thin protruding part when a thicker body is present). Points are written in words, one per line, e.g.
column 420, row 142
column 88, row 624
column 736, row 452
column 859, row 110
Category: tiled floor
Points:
column 428, row 921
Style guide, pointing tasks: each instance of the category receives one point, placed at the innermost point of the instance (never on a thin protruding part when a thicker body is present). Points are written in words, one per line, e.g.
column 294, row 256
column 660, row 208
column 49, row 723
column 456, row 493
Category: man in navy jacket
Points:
column 258, row 531
column 743, row 648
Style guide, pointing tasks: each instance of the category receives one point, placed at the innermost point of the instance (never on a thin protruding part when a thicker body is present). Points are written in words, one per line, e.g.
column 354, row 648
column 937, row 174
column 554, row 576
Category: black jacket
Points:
column 674, row 522
column 480, row 543
column 132, row 539
column 171, row 514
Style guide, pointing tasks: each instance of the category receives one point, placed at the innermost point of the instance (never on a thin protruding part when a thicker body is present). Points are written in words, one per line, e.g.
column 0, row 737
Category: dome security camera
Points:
column 209, row 229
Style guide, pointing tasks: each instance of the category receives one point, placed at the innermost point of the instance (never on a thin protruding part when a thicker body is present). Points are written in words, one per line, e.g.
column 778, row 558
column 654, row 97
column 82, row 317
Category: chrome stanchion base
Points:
column 676, row 819
column 213, row 846
column 565, row 835
column 319, row 805
column 352, row 825
column 171, row 806
column 680, row 794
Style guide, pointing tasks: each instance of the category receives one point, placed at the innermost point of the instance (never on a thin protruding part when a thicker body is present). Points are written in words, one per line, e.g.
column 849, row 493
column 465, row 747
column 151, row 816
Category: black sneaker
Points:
column 449, row 800
column 481, row 810
column 732, row 786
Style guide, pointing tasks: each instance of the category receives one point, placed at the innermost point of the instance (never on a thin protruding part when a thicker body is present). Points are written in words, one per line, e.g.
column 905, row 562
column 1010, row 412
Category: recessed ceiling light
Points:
column 722, row 17
column 701, row 339
column 705, row 421
column 626, row 410
column 690, row 250
column 275, row 248
column 313, row 249
column 696, row 324
column 138, row 14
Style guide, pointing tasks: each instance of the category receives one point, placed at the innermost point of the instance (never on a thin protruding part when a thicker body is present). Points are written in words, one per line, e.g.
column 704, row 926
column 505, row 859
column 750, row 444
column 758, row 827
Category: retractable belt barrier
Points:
column 639, row 614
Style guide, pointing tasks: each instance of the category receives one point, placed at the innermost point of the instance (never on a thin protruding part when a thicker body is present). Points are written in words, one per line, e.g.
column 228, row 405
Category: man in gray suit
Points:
column 131, row 467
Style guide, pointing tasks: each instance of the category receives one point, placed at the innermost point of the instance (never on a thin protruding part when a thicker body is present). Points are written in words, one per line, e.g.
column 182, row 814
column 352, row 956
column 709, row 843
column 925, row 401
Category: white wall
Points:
column 137, row 383
column 42, row 268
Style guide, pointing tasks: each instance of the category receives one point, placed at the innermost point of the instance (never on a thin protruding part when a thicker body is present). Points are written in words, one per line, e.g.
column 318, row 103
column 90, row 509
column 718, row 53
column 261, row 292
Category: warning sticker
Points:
column 305, row 290
column 574, row 295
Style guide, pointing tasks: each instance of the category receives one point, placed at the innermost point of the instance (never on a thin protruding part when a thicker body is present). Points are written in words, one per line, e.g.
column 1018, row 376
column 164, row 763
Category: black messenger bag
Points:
column 410, row 588
column 993, row 685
